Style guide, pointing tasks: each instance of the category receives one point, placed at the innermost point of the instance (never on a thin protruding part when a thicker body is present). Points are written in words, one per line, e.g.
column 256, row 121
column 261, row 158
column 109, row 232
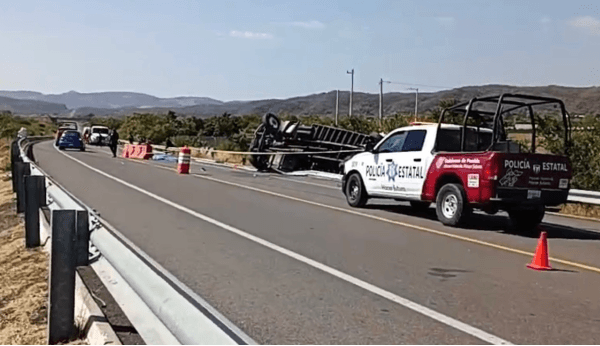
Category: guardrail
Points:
column 189, row 318
column 583, row 196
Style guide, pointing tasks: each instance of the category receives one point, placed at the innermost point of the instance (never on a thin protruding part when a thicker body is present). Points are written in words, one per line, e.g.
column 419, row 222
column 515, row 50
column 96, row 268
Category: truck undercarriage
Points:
column 325, row 146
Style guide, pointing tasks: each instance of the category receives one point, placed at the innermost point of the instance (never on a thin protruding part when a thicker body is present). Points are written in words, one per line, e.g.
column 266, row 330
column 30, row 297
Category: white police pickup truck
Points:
column 459, row 168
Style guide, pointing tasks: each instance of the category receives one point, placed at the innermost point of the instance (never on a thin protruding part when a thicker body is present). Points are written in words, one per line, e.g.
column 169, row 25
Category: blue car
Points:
column 71, row 140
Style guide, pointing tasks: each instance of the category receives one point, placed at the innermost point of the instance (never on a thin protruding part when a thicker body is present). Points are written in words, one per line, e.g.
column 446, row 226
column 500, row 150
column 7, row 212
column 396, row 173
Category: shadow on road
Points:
column 494, row 223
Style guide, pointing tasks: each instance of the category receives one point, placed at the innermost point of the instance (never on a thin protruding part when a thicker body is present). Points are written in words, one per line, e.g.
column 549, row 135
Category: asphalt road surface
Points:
column 286, row 260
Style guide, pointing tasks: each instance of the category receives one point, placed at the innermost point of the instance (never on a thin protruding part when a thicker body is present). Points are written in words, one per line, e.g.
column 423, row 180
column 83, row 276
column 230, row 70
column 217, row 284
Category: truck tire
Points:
column 451, row 205
column 356, row 195
column 420, row 206
column 526, row 220
column 271, row 122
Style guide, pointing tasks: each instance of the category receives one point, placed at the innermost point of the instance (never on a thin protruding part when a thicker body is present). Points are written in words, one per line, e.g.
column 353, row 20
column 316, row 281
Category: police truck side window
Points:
column 394, row 143
column 414, row 140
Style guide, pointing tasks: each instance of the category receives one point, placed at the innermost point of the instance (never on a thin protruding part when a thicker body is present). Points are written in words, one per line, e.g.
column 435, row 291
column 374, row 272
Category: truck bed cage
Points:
column 517, row 101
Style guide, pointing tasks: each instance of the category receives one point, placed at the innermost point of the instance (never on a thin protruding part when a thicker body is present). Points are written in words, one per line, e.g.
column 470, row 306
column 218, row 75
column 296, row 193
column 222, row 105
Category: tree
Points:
column 449, row 117
column 584, row 152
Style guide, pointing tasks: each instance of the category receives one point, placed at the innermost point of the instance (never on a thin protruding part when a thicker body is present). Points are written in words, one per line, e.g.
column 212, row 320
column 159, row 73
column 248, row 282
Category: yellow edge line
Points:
column 400, row 223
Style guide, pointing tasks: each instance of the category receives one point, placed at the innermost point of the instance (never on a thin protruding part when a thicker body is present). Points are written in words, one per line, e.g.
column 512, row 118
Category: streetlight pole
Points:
column 416, row 101
column 351, row 91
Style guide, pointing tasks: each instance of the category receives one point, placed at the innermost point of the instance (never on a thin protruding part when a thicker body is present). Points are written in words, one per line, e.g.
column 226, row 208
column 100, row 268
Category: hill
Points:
column 577, row 100
column 109, row 100
column 30, row 106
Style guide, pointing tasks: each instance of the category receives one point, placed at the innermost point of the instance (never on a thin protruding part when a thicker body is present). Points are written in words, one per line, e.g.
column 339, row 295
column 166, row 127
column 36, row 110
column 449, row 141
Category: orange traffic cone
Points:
column 540, row 260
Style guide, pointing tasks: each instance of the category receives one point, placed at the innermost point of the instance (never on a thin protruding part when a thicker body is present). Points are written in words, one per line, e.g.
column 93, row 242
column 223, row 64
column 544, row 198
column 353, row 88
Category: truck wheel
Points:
column 451, row 205
column 271, row 122
column 420, row 206
column 526, row 220
column 356, row 195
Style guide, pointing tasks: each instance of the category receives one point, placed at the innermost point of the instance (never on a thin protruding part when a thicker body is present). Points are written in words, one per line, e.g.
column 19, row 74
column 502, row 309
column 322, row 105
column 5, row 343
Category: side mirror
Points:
column 370, row 146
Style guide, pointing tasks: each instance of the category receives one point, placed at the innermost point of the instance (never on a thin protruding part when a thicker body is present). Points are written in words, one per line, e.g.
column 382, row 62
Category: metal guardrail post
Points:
column 14, row 158
column 21, row 170
column 61, row 311
column 82, row 234
column 35, row 193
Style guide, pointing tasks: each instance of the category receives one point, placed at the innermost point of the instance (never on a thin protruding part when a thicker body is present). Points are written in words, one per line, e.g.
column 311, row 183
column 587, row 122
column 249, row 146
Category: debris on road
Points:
column 164, row 158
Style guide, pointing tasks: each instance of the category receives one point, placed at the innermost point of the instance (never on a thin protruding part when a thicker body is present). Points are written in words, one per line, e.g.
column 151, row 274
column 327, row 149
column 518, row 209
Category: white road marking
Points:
column 449, row 321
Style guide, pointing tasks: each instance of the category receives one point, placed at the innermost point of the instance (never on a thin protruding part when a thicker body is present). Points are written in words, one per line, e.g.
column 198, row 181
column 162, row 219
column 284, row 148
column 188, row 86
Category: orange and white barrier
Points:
column 183, row 163
column 141, row 151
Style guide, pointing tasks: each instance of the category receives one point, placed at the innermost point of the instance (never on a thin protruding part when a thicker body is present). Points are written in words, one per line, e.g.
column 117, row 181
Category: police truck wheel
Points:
column 420, row 206
column 526, row 220
column 451, row 205
column 356, row 195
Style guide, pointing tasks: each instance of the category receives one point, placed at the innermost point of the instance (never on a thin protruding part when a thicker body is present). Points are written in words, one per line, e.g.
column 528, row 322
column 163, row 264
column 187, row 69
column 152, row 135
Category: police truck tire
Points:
column 356, row 195
column 526, row 220
column 451, row 205
column 420, row 206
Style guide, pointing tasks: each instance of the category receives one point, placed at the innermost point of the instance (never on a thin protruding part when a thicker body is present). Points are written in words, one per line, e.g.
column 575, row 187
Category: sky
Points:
column 247, row 50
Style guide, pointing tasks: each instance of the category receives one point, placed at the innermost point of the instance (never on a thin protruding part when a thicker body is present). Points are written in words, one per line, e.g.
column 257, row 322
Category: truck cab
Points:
column 462, row 167
column 99, row 135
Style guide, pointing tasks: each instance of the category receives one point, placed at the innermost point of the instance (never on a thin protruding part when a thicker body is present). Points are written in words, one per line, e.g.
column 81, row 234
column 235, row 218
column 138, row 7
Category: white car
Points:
column 99, row 135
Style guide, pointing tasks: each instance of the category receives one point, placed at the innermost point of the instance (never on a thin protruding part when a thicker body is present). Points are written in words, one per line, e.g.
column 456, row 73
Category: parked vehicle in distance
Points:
column 60, row 132
column 71, row 139
column 464, row 167
column 99, row 135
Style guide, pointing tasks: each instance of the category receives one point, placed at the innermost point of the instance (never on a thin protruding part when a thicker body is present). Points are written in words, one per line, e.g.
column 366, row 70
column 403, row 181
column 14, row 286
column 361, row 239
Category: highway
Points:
column 287, row 261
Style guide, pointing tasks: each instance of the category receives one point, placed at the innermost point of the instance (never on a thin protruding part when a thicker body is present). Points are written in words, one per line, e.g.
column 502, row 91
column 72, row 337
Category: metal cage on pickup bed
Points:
column 504, row 104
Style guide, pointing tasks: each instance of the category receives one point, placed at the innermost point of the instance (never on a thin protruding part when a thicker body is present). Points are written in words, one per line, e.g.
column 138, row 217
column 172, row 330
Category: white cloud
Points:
column 250, row 35
column 591, row 24
column 313, row 24
column 545, row 20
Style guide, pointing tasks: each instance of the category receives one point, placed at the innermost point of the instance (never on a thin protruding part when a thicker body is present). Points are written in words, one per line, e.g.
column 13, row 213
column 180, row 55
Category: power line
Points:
column 421, row 85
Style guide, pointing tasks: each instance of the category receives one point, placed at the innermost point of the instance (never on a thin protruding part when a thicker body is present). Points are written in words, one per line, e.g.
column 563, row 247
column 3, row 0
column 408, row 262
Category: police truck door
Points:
column 404, row 165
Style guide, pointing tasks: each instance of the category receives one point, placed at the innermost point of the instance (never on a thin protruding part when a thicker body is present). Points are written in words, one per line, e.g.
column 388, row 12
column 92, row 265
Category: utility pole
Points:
column 351, row 91
column 337, row 105
column 416, row 101
column 380, row 100
column 381, row 81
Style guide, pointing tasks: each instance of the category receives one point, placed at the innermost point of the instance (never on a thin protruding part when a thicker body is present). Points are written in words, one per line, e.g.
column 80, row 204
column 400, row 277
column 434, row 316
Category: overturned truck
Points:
column 301, row 147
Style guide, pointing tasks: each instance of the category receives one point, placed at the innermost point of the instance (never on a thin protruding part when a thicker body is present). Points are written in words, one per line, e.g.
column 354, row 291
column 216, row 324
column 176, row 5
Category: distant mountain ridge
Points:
column 30, row 106
column 109, row 100
column 584, row 100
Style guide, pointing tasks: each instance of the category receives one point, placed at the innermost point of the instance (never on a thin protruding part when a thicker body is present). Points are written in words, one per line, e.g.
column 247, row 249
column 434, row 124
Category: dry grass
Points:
column 220, row 157
column 585, row 210
column 23, row 275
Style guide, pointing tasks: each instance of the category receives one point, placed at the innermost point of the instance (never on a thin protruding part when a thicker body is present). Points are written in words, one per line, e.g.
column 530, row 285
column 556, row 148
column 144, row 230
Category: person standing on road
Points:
column 114, row 141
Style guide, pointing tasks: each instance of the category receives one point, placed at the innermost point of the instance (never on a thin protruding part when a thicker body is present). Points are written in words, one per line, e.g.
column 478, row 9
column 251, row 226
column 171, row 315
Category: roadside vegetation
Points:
column 36, row 126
